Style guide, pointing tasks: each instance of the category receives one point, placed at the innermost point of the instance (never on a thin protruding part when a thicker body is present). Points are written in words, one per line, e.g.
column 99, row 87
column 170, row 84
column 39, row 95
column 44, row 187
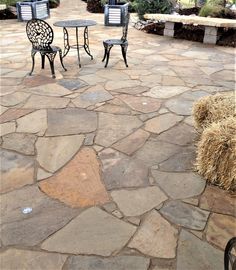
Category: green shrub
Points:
column 216, row 2
column 8, row 2
column 152, row 6
column 216, row 11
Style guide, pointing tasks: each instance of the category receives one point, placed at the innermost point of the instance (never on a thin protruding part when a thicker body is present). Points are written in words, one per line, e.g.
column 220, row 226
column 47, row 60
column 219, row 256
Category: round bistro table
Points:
column 76, row 24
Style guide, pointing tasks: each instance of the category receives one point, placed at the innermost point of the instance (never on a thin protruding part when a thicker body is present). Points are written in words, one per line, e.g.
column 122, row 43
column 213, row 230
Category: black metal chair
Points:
column 230, row 255
column 41, row 36
column 123, row 42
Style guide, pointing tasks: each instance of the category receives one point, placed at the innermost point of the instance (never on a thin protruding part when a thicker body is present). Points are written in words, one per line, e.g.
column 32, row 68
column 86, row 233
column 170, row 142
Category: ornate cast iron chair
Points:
column 123, row 42
column 41, row 36
column 229, row 256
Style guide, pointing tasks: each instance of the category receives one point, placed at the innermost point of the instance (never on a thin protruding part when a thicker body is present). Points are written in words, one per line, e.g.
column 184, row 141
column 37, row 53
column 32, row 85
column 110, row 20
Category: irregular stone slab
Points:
column 185, row 215
column 92, row 232
column 72, row 84
column 195, row 254
column 47, row 217
column 179, row 185
column 46, row 102
column 78, row 184
column 16, row 170
column 70, row 121
column 141, row 104
column 172, row 81
column 113, row 74
column 14, row 98
column 51, row 89
column 162, row 122
column 28, row 260
column 154, row 152
column 7, row 128
column 132, row 143
column 225, row 75
column 180, row 162
column 92, row 80
column 2, row 111
column 54, row 152
column 180, row 106
column 113, row 109
column 41, row 174
column 220, row 229
column 113, row 263
column 217, row 200
column 151, row 80
column 190, row 95
column 37, row 80
column 13, row 114
column 156, row 237
column 20, row 142
column 122, row 171
column 92, row 96
column 132, row 90
column 112, row 128
column 116, row 85
column 181, row 134
column 137, row 202
column 35, row 122
column 165, row 91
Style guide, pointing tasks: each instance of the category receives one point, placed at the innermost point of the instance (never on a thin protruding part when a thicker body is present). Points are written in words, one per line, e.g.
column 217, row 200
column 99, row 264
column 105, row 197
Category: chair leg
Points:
column 108, row 54
column 124, row 50
column 51, row 57
column 43, row 60
column 61, row 59
column 33, row 62
column 105, row 53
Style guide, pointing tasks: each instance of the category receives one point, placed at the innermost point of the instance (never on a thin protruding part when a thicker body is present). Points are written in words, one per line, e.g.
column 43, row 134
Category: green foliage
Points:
column 8, row 2
column 216, row 2
column 152, row 6
column 216, row 11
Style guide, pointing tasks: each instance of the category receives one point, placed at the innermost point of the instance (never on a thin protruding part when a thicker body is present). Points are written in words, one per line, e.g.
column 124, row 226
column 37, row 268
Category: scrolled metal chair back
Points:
column 40, row 34
column 125, row 28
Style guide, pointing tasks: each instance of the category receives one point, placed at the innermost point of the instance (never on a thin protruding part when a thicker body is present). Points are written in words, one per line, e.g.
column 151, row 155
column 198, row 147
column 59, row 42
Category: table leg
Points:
column 86, row 42
column 66, row 42
column 77, row 44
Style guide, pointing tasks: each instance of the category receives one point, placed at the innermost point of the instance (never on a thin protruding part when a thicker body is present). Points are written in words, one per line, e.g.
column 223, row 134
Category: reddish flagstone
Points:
column 37, row 80
column 13, row 114
column 78, row 184
column 220, row 229
column 219, row 201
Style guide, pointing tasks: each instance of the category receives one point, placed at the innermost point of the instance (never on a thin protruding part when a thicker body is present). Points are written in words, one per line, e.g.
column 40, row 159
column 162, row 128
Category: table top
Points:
column 75, row 23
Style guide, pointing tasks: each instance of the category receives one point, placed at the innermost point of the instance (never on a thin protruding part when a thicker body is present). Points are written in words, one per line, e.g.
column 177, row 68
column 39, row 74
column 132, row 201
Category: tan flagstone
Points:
column 46, row 102
column 54, row 152
column 28, row 260
column 35, row 122
column 7, row 128
column 141, row 104
column 162, row 123
column 156, row 237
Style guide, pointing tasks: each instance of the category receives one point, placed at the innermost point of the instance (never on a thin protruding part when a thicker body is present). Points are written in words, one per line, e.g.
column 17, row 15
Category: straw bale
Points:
column 211, row 109
column 216, row 154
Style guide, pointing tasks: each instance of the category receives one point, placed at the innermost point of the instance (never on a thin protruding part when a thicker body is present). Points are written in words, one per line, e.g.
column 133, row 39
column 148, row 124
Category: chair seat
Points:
column 48, row 50
column 115, row 42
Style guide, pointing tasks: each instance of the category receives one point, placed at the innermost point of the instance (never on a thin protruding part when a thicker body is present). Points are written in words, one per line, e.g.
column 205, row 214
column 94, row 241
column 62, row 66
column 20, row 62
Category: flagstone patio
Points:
column 105, row 157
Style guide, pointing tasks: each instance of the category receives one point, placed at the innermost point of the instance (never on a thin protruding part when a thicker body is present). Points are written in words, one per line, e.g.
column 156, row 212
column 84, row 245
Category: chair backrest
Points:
column 40, row 34
column 125, row 28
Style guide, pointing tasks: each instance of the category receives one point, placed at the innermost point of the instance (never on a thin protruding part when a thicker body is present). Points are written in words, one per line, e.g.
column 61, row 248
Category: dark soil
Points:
column 7, row 14
column 189, row 11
